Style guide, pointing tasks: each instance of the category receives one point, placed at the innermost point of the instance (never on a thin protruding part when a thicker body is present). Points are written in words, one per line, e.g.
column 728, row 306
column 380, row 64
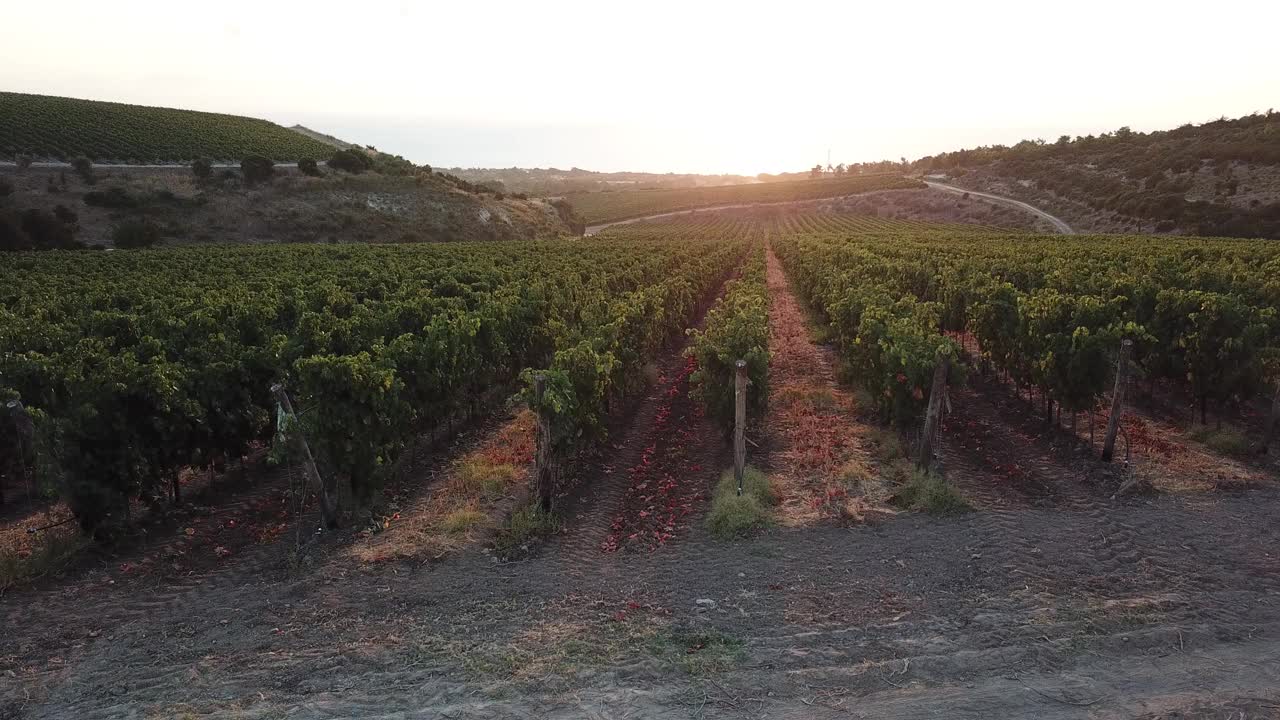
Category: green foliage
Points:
column 146, row 363
column 351, row 160
column 84, row 168
column 307, row 166
column 523, row 527
column 733, row 515
column 930, row 493
column 257, row 169
column 63, row 127
column 736, row 328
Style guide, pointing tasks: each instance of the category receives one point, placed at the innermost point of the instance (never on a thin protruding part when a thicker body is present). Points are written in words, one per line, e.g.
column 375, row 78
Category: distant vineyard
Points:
column 600, row 207
column 61, row 128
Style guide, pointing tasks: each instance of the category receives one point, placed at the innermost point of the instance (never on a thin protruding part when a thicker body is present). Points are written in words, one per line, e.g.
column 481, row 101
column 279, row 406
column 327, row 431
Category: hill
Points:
column 59, row 128
column 51, row 208
column 600, row 207
column 554, row 181
column 1220, row 178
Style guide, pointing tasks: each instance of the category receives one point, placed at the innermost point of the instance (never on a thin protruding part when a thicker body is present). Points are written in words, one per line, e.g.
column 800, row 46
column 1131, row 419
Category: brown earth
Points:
column 1051, row 600
column 292, row 208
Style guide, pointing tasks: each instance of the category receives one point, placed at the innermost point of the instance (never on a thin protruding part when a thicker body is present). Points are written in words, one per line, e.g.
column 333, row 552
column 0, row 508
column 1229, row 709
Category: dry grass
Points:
column 464, row 503
column 25, row 556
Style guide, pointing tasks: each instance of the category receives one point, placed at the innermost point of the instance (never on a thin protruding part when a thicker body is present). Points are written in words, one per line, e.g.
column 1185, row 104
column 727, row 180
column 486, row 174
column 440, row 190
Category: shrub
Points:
column 202, row 168
column 133, row 234
column 1225, row 441
column 733, row 515
column 524, row 526
column 12, row 238
column 352, row 161
column 46, row 232
column 116, row 198
column 84, row 168
column 309, row 167
column 6, row 188
column 23, row 162
column 928, row 492
column 256, row 169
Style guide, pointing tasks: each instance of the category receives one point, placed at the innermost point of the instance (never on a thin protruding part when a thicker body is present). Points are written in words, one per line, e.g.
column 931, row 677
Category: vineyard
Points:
column 602, row 207
column 138, row 365
column 1048, row 313
column 62, row 128
column 602, row 372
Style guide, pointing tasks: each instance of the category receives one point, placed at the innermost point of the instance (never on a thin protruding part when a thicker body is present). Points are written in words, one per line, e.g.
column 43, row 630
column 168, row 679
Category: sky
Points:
column 690, row 86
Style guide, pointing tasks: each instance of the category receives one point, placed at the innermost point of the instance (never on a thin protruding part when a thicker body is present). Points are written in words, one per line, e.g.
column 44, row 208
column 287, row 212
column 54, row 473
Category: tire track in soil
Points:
column 1119, row 555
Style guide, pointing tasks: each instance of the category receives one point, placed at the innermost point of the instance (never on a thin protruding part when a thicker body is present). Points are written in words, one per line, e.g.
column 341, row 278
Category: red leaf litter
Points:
column 662, row 492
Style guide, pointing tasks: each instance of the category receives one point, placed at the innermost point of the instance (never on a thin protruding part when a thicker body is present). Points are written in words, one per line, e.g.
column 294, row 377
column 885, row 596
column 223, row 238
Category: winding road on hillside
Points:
column 1057, row 223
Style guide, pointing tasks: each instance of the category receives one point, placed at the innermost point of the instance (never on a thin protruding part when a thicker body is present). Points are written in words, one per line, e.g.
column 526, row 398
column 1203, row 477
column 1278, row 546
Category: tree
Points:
column 84, row 168
column 202, row 168
column 256, row 169
column 350, row 160
column 816, row 172
column 308, row 167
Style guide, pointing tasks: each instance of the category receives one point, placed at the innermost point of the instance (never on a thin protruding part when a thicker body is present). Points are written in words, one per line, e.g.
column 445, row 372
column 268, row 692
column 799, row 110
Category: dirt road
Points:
column 1058, row 223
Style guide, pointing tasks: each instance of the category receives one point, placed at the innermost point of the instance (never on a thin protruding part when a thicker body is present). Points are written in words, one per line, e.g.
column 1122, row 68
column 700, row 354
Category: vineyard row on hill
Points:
column 62, row 128
column 135, row 366
column 601, row 207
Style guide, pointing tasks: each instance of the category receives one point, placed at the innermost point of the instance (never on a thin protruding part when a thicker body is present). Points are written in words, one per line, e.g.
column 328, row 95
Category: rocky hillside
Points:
column 1219, row 178
column 41, row 208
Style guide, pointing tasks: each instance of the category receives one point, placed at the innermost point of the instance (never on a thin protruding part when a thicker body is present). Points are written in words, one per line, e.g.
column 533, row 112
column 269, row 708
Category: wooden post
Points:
column 1272, row 420
column 542, row 467
column 328, row 499
column 931, row 416
column 1117, row 400
column 739, row 422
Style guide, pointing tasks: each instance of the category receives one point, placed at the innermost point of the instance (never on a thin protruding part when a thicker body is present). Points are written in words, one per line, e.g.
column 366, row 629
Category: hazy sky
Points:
column 684, row 86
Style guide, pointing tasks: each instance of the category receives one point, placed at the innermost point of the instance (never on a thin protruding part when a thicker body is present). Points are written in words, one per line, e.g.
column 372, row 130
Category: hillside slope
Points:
column 51, row 208
column 57, row 128
column 1219, row 178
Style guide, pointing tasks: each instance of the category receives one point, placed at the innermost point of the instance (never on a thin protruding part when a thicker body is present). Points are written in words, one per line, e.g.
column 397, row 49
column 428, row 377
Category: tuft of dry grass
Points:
column 472, row 495
column 26, row 556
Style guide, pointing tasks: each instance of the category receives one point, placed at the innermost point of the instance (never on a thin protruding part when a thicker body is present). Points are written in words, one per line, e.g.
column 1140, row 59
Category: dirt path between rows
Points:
column 1050, row 601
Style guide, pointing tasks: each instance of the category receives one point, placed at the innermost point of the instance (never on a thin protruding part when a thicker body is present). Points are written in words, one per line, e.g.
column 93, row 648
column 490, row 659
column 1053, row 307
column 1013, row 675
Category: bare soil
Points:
column 1051, row 600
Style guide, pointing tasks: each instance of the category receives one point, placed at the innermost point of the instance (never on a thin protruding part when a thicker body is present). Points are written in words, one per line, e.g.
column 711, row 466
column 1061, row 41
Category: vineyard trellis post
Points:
column 1270, row 433
column 1117, row 400
column 933, row 413
column 739, row 422
column 542, row 466
column 328, row 500
column 26, row 436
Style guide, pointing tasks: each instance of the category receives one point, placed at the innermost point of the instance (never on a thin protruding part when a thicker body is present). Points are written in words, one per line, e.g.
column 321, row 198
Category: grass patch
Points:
column 1227, row 441
column 524, row 526
column 733, row 515
column 886, row 444
column 927, row 492
column 463, row 519
column 48, row 554
column 477, row 477
column 702, row 652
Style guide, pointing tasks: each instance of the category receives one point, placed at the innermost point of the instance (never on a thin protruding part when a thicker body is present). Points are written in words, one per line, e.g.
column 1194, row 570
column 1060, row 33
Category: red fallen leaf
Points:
column 619, row 616
column 633, row 536
column 634, row 605
column 644, row 514
column 221, row 551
